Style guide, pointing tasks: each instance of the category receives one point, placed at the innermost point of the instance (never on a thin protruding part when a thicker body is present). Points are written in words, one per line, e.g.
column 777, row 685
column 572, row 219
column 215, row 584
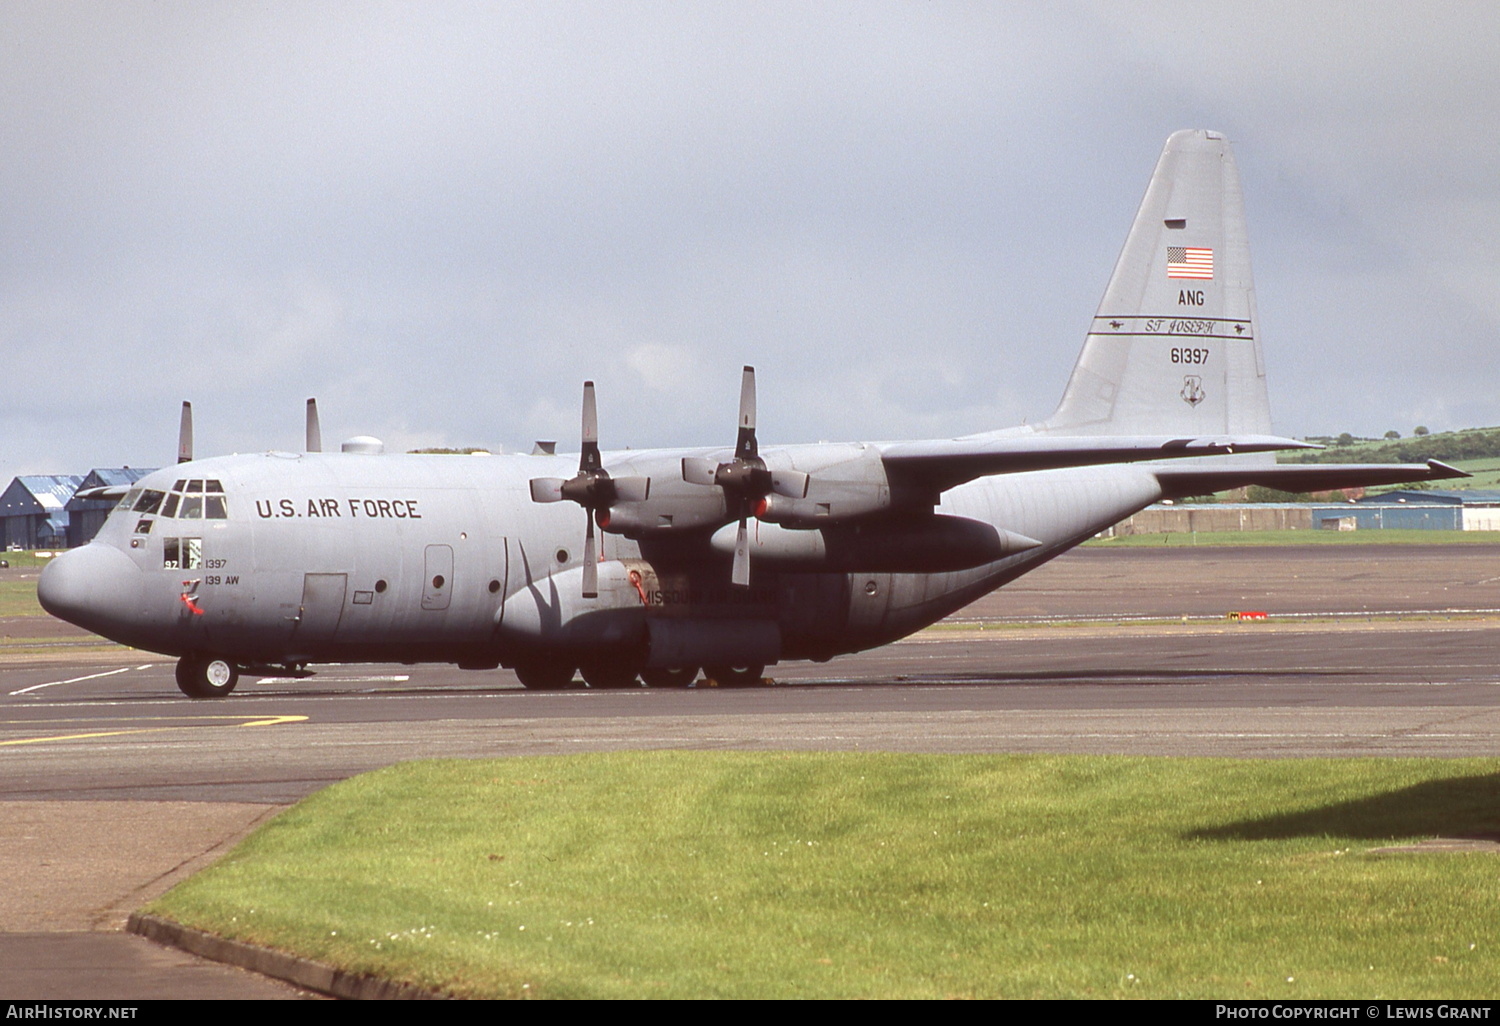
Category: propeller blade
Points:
column 185, row 435
column 744, row 445
column 697, row 470
column 741, row 574
column 590, row 562
column 546, row 489
column 791, row 483
column 588, row 458
column 314, row 429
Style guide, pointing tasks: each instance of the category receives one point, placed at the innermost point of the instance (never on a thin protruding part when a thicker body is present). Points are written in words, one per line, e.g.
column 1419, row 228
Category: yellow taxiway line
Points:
column 250, row 721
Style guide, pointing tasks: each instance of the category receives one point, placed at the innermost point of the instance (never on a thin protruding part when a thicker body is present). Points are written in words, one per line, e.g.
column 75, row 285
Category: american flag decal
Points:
column 1190, row 262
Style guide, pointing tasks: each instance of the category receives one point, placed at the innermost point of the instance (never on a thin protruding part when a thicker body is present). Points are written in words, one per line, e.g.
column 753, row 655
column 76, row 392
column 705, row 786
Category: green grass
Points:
column 25, row 559
column 18, row 598
column 18, row 595
column 695, row 874
column 1315, row 537
column 1486, row 475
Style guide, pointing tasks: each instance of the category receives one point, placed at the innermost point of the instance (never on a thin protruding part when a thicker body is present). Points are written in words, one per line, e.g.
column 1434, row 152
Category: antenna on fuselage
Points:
column 185, row 435
column 314, row 429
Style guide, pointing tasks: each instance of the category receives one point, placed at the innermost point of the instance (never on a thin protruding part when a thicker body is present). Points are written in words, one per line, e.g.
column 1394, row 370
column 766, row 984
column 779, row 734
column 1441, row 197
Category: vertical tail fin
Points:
column 1173, row 348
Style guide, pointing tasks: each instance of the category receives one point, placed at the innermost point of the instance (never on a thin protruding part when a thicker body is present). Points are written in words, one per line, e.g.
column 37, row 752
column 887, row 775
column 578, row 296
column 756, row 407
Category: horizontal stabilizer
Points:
column 1300, row 477
column 941, row 464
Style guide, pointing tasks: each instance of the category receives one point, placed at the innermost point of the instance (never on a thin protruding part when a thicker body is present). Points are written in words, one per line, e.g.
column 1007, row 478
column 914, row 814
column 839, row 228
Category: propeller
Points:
column 745, row 479
column 185, row 431
column 592, row 488
column 314, row 429
column 185, row 435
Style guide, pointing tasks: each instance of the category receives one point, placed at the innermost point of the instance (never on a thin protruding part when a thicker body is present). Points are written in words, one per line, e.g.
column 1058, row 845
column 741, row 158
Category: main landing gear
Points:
column 553, row 676
column 735, row 676
column 676, row 678
column 200, row 676
column 544, row 676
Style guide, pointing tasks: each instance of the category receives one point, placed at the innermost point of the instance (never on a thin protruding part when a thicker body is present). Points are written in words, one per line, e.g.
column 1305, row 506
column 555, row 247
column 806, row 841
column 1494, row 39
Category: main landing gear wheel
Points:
column 681, row 677
column 610, row 675
column 544, row 676
column 735, row 676
column 206, row 677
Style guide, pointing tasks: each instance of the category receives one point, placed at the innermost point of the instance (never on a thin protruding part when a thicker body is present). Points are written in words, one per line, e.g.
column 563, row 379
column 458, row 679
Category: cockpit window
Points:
column 129, row 501
column 197, row 499
column 149, row 501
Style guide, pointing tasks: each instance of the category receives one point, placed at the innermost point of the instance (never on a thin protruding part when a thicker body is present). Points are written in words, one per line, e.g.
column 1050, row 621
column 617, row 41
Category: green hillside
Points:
column 1478, row 446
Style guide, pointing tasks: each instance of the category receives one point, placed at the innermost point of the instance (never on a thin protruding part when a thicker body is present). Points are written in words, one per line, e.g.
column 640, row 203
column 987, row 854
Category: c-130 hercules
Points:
column 724, row 559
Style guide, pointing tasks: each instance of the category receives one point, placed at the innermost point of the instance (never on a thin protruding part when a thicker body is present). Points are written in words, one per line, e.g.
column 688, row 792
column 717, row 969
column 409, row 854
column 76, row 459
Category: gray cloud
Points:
column 441, row 218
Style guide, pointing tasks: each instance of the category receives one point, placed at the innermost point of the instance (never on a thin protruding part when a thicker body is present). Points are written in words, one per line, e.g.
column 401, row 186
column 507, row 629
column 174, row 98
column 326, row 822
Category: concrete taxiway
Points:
column 117, row 786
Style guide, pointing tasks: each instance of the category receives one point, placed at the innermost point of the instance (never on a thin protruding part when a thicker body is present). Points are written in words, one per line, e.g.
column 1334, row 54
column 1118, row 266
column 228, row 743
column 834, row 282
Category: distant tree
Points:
column 1419, row 430
column 1345, row 439
column 1391, row 436
column 1261, row 493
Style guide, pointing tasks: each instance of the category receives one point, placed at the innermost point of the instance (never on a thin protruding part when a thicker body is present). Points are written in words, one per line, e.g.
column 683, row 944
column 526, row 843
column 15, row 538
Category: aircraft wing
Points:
column 1178, row 482
column 940, row 464
column 112, row 492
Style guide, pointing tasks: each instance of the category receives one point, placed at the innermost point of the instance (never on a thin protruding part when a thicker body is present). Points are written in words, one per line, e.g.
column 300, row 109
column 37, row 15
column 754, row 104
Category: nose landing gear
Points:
column 200, row 676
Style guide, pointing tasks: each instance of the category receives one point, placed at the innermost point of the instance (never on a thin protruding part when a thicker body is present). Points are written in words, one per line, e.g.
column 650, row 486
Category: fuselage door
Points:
column 322, row 605
column 437, row 584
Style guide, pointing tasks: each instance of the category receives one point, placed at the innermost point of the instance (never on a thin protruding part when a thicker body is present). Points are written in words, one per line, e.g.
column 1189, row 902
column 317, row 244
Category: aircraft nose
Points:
column 95, row 587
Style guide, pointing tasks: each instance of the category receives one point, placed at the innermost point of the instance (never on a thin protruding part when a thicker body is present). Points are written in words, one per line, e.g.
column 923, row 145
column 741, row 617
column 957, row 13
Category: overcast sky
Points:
column 439, row 218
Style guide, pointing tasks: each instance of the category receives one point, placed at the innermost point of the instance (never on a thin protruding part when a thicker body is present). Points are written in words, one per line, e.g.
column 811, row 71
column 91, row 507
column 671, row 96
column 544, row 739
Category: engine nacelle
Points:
column 830, row 503
column 672, row 506
column 847, row 483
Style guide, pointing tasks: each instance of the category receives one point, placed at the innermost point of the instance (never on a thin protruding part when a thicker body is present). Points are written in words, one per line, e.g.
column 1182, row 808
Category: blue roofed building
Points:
column 33, row 511
column 1473, row 509
column 86, row 516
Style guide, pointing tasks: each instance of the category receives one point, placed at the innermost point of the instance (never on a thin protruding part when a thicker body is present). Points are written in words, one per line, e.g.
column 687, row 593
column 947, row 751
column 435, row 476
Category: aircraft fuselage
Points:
column 288, row 559
column 729, row 559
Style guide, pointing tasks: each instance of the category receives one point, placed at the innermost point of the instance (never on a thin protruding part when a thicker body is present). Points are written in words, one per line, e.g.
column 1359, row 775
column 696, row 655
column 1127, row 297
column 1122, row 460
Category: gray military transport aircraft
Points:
column 726, row 559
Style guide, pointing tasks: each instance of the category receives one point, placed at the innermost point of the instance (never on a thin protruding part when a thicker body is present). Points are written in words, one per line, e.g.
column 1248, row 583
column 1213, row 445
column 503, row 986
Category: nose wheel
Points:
column 206, row 677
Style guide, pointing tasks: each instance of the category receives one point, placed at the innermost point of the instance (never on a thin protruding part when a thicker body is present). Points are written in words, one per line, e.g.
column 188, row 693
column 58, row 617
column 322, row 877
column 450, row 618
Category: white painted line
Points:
column 74, row 680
